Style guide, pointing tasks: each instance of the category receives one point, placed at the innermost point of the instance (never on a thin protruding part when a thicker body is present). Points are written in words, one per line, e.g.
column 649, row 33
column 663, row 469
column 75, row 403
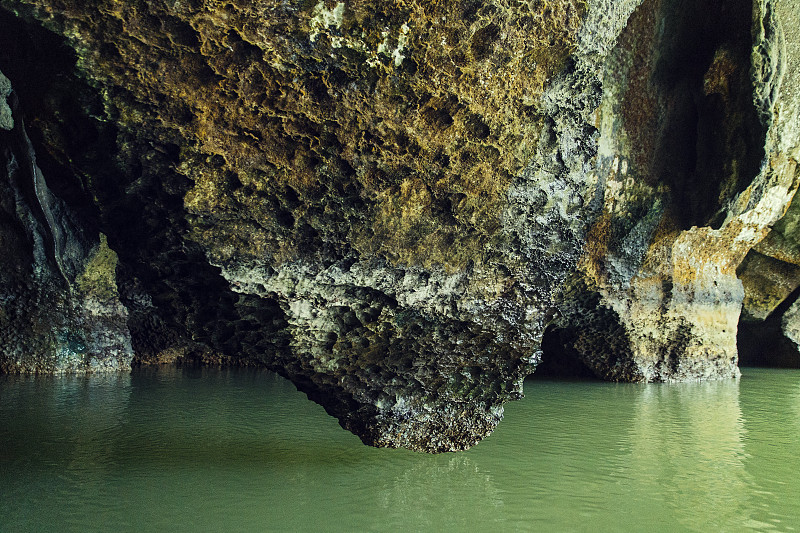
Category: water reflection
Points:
column 243, row 450
column 63, row 438
column 795, row 403
column 687, row 444
column 450, row 492
column 771, row 411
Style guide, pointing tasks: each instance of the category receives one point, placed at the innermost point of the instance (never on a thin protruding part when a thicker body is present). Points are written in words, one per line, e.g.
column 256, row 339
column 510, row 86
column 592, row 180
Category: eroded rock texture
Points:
column 389, row 203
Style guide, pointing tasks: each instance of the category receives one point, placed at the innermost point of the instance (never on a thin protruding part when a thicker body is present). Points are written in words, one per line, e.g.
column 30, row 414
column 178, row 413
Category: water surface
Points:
column 242, row 450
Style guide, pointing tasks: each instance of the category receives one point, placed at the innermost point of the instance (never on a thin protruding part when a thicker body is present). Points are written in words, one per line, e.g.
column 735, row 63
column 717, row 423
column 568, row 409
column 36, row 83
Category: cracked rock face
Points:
column 391, row 204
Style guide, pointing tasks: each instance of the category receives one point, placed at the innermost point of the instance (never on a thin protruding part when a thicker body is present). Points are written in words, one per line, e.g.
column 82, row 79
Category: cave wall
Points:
column 390, row 203
column 59, row 305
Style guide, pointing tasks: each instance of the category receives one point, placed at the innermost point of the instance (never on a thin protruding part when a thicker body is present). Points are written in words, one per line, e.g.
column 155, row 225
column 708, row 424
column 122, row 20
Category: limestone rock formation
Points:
column 392, row 204
column 697, row 150
column 59, row 306
column 770, row 276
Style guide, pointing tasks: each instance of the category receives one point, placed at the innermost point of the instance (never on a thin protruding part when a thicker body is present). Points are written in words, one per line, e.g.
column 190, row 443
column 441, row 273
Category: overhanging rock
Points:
column 388, row 204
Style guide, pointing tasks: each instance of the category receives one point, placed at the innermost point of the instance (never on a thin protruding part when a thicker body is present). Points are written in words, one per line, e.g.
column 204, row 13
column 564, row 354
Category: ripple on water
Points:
column 243, row 450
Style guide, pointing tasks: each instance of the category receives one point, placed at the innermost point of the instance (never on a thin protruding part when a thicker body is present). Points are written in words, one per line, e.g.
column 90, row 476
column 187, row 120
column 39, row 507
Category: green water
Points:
column 244, row 451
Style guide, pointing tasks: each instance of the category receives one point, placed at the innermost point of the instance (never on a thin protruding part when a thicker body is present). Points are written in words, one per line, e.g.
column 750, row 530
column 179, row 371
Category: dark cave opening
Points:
column 710, row 143
column 764, row 344
column 560, row 360
column 91, row 163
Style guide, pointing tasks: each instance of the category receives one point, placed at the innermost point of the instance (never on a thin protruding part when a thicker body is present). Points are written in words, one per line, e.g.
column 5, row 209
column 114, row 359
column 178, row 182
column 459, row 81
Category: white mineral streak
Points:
column 324, row 19
column 605, row 19
column 329, row 21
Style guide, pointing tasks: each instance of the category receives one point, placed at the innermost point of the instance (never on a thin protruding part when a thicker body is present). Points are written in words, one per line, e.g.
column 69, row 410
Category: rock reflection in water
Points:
column 63, row 441
column 451, row 492
column 687, row 444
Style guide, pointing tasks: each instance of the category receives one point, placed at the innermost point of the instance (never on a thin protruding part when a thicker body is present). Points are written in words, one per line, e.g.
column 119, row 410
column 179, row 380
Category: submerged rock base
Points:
column 394, row 205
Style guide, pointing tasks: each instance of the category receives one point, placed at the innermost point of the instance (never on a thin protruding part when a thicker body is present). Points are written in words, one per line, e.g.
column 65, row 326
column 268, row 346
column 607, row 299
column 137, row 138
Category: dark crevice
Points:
column 710, row 143
column 780, row 310
column 57, row 110
column 763, row 344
